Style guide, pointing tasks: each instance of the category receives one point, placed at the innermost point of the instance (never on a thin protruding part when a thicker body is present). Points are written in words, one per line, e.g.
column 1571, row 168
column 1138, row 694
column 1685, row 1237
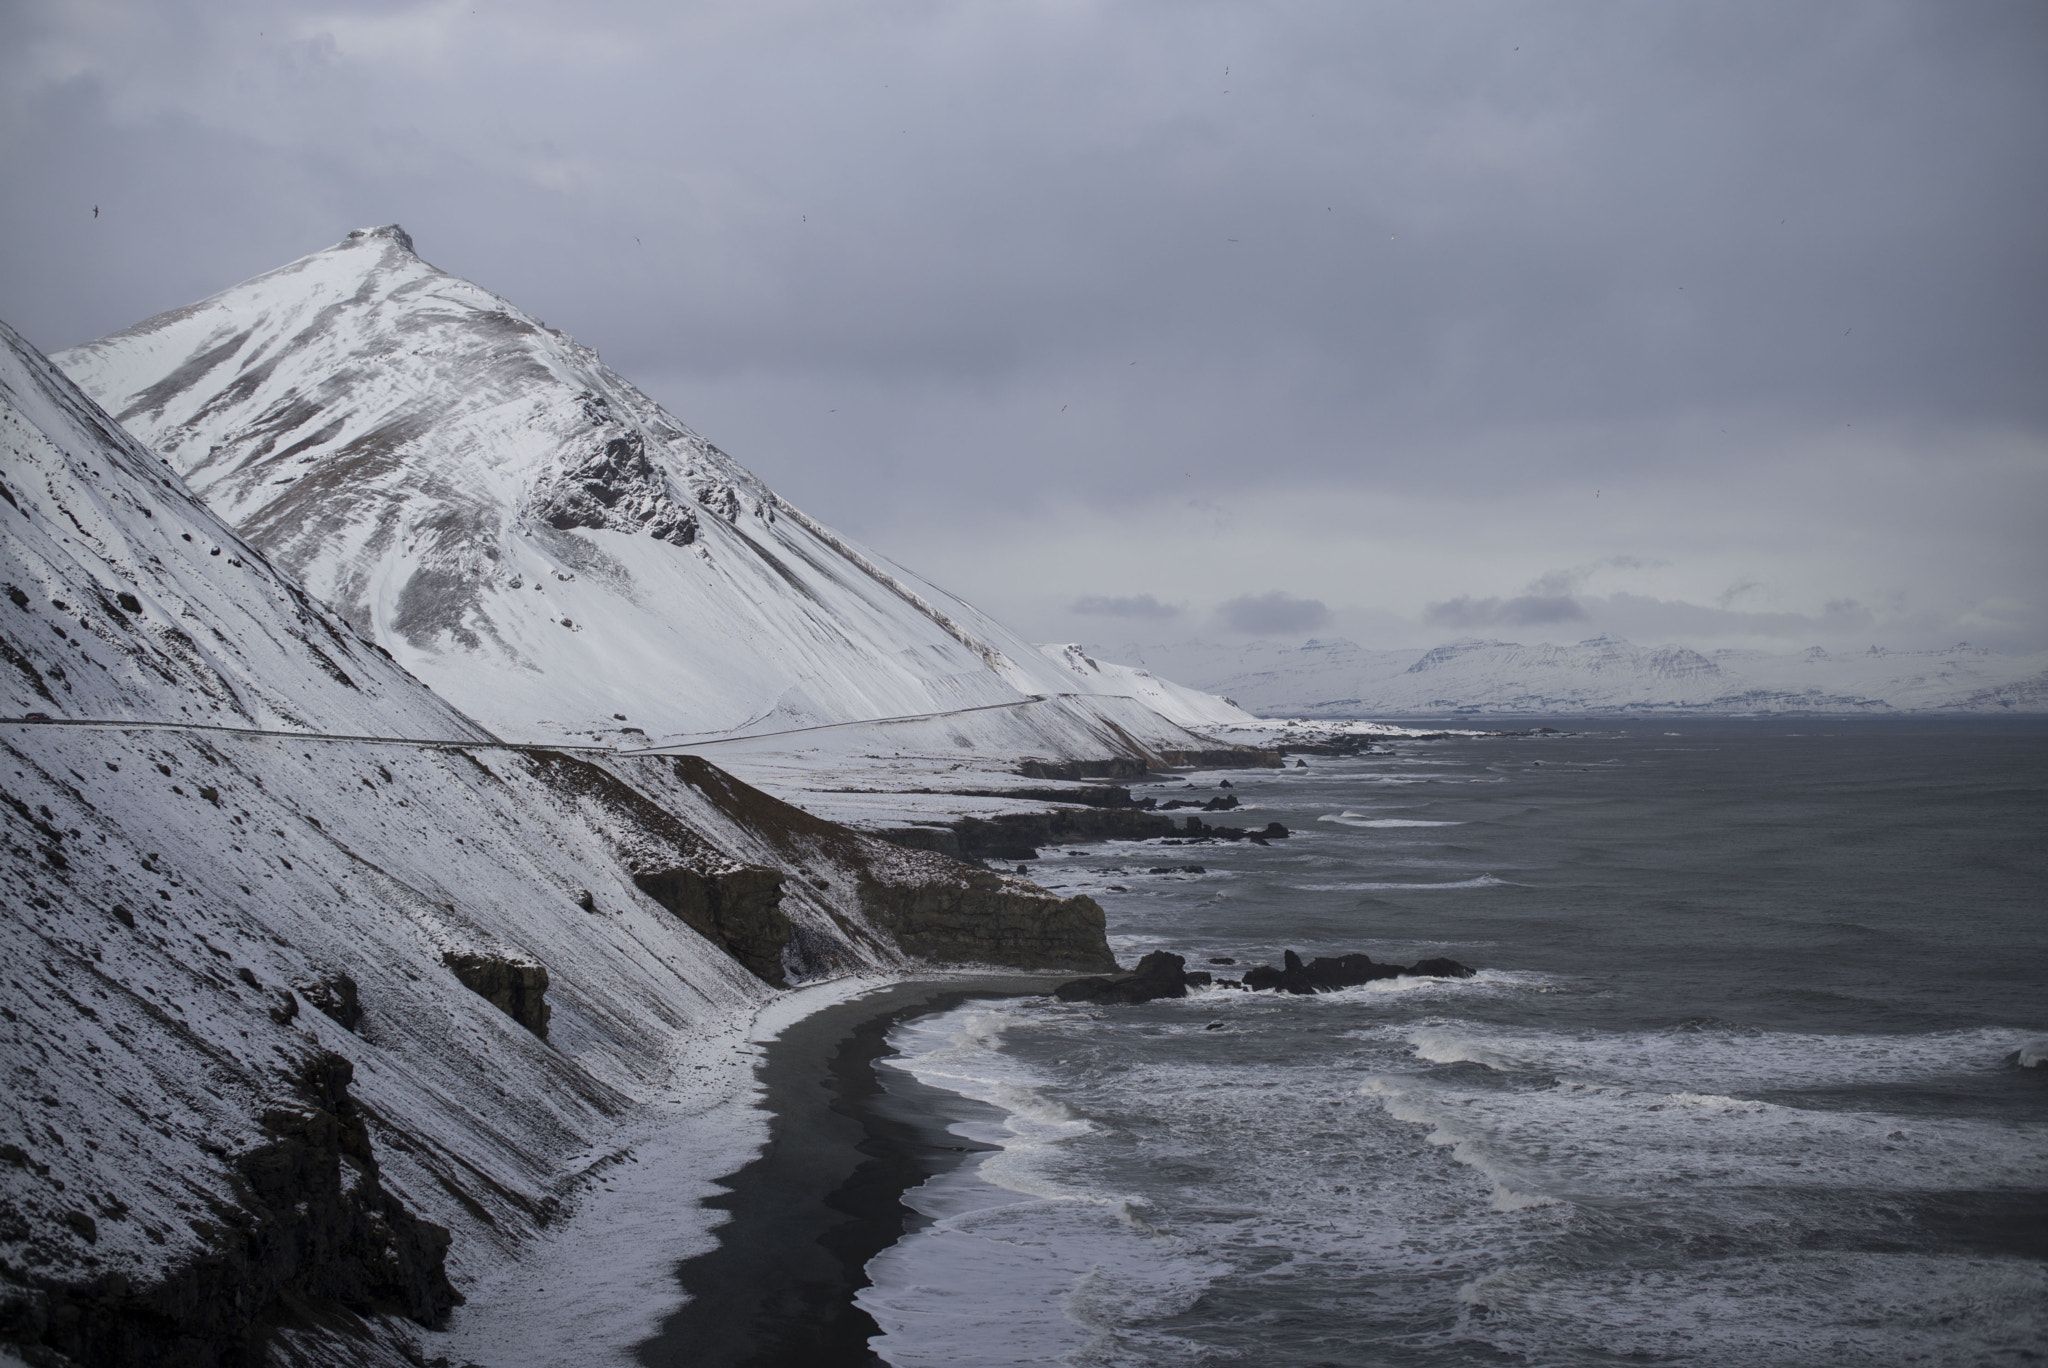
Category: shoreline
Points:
column 824, row 1195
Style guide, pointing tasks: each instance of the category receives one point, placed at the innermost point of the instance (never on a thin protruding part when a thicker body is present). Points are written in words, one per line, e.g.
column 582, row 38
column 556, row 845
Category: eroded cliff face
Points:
column 309, row 1223
column 739, row 910
column 982, row 918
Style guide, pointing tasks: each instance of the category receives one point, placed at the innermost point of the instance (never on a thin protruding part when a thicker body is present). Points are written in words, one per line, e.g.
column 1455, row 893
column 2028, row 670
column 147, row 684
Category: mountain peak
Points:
column 540, row 541
column 390, row 232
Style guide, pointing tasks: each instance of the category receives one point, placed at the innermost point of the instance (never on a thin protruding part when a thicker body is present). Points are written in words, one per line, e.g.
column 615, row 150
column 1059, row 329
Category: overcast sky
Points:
column 1714, row 323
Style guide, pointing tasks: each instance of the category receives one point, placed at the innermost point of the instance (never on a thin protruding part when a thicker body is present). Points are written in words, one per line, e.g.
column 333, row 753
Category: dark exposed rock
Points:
column 1226, row 757
column 335, row 996
column 985, row 919
column 1118, row 767
column 1325, row 973
column 1160, row 974
column 1018, row 835
column 1081, row 795
column 940, row 911
column 515, row 987
column 940, row 840
column 615, row 486
column 739, row 910
column 1125, row 767
column 313, row 1230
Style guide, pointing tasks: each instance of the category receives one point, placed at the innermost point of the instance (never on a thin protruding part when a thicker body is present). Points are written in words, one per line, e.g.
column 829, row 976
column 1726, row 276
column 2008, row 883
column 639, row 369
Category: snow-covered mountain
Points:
column 300, row 1026
column 1343, row 679
column 542, row 543
column 1190, row 708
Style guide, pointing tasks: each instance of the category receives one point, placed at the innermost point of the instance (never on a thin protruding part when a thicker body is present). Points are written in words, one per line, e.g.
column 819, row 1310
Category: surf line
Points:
column 825, row 1195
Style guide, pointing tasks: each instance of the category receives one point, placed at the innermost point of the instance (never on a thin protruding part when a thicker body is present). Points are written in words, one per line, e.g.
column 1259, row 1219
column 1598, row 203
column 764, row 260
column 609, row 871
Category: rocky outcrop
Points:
column 613, row 484
column 1018, row 835
column 1125, row 767
column 1118, row 767
column 1224, row 803
column 311, row 1230
column 518, row 988
column 334, row 995
column 983, row 918
column 1326, row 973
column 1223, row 757
column 1195, row 829
column 1160, row 974
column 738, row 910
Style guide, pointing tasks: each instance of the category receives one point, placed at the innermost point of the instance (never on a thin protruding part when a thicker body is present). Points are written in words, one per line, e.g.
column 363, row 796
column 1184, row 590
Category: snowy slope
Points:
column 538, row 540
column 182, row 900
column 1342, row 679
column 133, row 592
column 1191, row 708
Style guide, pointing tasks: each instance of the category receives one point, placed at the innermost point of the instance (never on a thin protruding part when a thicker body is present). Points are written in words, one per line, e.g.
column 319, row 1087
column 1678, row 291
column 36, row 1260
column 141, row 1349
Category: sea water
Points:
column 1737, row 1082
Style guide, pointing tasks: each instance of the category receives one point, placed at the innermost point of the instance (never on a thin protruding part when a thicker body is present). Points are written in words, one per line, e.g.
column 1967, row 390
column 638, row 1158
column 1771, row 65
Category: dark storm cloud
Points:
column 1276, row 614
column 933, row 266
column 1137, row 606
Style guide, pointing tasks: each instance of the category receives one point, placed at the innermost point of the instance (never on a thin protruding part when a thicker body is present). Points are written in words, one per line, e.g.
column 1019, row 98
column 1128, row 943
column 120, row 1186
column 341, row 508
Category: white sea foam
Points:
column 1612, row 1127
column 1360, row 819
column 1020, row 1265
column 1719, row 1060
column 1482, row 881
column 1812, row 1307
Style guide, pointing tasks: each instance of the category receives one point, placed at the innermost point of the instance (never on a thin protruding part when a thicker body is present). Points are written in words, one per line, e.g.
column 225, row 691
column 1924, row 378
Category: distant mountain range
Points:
column 1344, row 679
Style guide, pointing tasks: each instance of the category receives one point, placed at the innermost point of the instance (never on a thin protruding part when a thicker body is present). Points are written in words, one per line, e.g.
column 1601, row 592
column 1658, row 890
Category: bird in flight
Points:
column 95, row 211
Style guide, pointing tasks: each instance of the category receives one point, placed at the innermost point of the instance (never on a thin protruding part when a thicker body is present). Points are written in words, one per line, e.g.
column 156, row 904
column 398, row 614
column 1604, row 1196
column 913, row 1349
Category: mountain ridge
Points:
column 1340, row 678
column 305, row 1038
column 542, row 543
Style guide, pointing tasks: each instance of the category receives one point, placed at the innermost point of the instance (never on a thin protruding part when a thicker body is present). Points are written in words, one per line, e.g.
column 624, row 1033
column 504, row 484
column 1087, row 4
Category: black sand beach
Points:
column 823, row 1198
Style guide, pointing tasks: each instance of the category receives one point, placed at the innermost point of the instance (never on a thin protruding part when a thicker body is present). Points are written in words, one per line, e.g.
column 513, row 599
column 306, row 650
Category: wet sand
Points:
column 824, row 1196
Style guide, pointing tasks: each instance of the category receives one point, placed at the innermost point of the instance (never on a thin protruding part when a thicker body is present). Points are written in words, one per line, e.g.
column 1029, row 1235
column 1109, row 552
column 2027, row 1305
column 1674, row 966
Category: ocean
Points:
column 1736, row 1083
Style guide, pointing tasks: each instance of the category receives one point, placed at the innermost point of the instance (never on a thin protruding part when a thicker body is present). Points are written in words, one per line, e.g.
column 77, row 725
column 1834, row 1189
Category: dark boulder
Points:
column 517, row 988
column 1326, row 973
column 335, row 996
column 1160, row 974
column 1440, row 967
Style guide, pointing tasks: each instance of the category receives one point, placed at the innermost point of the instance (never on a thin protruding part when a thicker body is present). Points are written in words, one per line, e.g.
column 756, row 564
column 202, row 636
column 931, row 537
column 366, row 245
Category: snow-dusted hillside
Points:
column 207, row 931
column 537, row 539
column 1190, row 708
column 1342, row 679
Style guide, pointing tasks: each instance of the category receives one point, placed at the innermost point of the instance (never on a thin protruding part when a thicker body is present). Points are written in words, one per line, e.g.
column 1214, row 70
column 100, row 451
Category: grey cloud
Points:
column 1136, row 606
column 1276, row 612
column 1743, row 263
column 1526, row 611
column 1639, row 615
